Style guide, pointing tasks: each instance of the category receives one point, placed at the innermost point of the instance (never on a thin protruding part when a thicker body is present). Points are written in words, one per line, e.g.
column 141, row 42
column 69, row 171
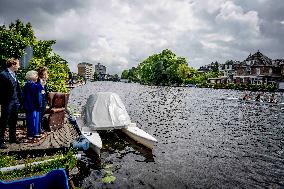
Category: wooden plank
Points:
column 57, row 139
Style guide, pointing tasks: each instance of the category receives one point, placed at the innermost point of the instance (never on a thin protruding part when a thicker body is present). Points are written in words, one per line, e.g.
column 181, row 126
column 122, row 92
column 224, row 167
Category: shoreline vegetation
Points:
column 58, row 160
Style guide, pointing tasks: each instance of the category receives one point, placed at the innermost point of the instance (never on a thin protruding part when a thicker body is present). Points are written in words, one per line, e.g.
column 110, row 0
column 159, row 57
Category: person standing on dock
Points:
column 32, row 105
column 42, row 93
column 10, row 99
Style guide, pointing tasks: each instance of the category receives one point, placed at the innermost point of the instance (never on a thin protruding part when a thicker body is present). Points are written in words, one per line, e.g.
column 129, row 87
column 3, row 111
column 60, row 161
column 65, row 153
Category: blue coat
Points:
column 31, row 97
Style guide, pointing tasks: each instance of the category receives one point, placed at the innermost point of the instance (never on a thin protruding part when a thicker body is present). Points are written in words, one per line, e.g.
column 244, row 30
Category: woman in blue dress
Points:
column 31, row 105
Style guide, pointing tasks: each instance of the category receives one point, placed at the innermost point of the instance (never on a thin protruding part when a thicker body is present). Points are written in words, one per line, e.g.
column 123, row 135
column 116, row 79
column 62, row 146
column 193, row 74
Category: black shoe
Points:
column 3, row 146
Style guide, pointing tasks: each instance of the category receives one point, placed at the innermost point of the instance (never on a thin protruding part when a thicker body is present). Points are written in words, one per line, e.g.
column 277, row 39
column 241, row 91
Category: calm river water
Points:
column 204, row 141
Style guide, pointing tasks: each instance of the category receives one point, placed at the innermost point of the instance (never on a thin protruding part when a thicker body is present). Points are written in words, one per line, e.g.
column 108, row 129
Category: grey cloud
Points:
column 38, row 12
column 133, row 30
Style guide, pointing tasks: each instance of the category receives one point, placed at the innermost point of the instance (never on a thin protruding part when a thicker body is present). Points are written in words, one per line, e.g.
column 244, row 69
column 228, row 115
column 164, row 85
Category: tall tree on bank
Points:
column 124, row 74
column 16, row 37
column 162, row 69
column 166, row 68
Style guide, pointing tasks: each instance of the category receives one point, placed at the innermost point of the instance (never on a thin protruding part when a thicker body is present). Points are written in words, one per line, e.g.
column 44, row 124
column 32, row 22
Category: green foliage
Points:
column 60, row 162
column 58, row 71
column 132, row 74
column 108, row 177
column 96, row 76
column 15, row 38
column 124, row 74
column 215, row 67
column 7, row 160
column 43, row 48
column 166, row 68
column 201, row 78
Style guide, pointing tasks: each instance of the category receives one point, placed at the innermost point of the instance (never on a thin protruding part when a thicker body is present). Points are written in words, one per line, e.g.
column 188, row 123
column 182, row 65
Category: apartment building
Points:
column 86, row 70
column 101, row 71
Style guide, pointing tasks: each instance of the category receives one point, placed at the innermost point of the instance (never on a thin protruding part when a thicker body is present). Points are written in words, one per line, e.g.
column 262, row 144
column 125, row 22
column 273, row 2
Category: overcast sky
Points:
column 122, row 33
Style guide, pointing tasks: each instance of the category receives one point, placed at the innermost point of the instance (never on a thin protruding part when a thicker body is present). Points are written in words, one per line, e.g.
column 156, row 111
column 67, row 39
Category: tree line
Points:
column 166, row 68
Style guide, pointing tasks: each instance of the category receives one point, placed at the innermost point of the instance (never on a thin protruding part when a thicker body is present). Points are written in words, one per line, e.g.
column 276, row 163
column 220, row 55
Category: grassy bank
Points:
column 61, row 160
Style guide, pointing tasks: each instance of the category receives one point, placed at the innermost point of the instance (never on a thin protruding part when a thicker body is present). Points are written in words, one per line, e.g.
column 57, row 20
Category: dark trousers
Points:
column 9, row 117
column 42, row 127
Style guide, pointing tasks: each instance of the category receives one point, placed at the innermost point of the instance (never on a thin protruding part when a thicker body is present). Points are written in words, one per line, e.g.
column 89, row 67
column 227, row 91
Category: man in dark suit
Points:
column 10, row 98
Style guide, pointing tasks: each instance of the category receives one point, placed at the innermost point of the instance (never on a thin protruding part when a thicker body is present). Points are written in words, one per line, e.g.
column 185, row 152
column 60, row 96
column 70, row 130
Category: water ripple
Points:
column 204, row 140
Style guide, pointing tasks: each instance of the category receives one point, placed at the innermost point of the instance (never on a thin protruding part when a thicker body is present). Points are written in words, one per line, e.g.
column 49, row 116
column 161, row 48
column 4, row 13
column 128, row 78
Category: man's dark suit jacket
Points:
column 10, row 91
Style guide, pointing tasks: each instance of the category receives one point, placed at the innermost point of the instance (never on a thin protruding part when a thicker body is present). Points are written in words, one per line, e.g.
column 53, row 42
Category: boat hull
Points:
column 95, row 141
column 140, row 136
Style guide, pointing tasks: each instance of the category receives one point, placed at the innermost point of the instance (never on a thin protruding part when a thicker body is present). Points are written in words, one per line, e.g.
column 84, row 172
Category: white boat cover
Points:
column 105, row 110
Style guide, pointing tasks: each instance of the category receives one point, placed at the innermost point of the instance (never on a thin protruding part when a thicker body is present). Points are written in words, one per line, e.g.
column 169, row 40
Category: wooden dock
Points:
column 59, row 138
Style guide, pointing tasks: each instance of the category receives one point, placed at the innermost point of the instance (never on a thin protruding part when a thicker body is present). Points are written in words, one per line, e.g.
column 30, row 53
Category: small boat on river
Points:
column 53, row 179
column 105, row 111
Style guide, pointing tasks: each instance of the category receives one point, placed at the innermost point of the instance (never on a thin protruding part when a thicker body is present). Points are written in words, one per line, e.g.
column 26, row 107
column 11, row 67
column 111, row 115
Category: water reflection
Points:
column 118, row 143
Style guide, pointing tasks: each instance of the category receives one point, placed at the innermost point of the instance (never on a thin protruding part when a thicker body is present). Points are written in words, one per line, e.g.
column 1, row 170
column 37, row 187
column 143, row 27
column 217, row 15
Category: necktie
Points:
column 14, row 76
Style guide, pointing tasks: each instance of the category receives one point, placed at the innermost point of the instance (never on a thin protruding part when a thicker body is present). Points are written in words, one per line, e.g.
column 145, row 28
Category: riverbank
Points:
column 60, row 138
column 54, row 149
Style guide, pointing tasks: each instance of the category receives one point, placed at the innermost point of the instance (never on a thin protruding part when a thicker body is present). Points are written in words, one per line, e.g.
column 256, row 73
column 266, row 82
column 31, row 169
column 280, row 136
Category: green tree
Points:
column 161, row 69
column 96, row 76
column 16, row 37
column 13, row 40
column 215, row 67
column 132, row 74
column 124, row 74
column 166, row 68
column 184, row 72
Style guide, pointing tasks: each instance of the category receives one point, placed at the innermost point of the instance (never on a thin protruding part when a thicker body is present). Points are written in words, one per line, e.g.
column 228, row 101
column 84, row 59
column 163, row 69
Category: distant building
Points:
column 258, row 69
column 101, row 71
column 281, row 64
column 207, row 68
column 27, row 56
column 255, row 69
column 86, row 70
column 228, row 70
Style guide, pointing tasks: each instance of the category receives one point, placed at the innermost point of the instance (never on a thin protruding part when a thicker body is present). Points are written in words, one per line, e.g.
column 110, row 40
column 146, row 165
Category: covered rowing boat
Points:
column 105, row 111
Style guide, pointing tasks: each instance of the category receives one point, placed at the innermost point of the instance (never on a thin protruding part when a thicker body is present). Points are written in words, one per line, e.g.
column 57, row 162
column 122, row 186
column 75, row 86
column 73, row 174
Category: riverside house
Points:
column 258, row 69
column 255, row 69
